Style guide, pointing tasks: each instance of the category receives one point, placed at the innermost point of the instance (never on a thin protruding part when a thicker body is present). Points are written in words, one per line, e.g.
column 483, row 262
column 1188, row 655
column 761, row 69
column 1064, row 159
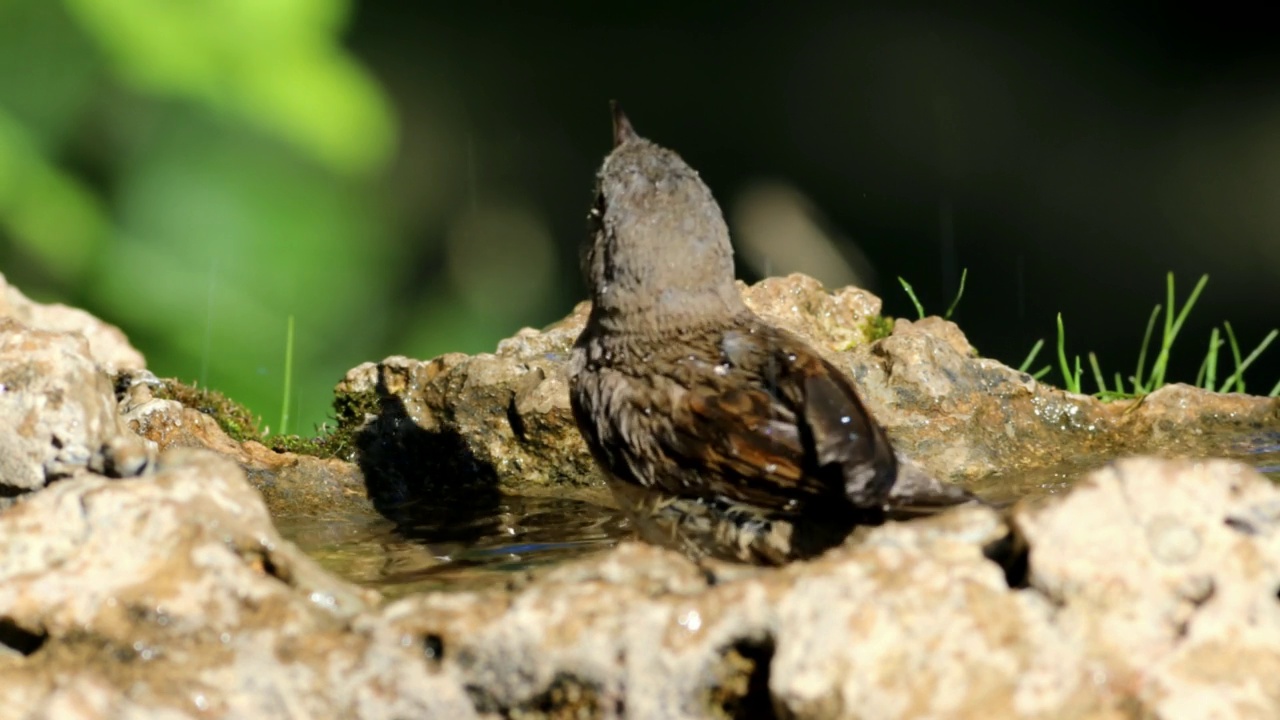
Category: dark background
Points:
column 413, row 178
column 1068, row 158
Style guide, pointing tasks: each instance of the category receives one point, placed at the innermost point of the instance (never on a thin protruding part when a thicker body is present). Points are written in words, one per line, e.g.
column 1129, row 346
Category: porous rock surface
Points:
column 108, row 346
column 171, row 595
column 291, row 484
column 159, row 588
column 502, row 419
column 57, row 412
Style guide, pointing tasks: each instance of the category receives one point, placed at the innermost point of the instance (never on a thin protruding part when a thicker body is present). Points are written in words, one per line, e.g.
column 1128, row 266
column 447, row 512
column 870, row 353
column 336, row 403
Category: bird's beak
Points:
column 622, row 130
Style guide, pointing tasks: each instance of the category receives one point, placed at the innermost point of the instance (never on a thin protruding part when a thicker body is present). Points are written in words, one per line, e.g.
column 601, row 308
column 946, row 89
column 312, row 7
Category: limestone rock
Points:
column 57, row 412
column 108, row 346
column 1168, row 571
column 963, row 417
column 912, row 622
column 290, row 483
column 1150, row 591
column 173, row 593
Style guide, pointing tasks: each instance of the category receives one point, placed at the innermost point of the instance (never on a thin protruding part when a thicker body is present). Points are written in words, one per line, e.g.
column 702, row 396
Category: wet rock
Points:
column 465, row 424
column 1189, row 616
column 963, row 417
column 832, row 320
column 291, row 484
column 914, row 621
column 108, row 346
column 57, row 412
column 461, row 425
column 173, row 593
column 1150, row 590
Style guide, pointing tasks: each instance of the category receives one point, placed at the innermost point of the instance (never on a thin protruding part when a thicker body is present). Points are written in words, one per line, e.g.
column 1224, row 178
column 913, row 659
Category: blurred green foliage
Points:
column 197, row 172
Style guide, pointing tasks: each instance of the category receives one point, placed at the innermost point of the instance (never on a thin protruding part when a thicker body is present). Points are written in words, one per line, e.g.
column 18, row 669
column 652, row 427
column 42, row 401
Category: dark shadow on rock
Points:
column 1013, row 556
column 409, row 471
column 743, row 674
column 16, row 638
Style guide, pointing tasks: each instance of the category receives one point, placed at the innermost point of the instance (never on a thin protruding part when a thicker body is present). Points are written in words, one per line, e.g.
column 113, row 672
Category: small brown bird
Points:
column 720, row 434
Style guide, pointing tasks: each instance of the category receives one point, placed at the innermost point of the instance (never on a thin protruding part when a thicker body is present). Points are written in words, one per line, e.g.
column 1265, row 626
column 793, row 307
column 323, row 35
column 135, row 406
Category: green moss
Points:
column 350, row 410
column 241, row 425
column 234, row 419
column 337, row 440
column 877, row 327
column 321, row 446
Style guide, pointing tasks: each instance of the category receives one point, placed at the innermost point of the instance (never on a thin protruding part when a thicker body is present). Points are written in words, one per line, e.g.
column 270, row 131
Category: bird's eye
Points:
column 597, row 210
column 595, row 220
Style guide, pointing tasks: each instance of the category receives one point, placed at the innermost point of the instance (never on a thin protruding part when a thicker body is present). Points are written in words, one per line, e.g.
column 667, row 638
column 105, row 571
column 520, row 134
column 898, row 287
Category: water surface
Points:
column 435, row 548
column 447, row 546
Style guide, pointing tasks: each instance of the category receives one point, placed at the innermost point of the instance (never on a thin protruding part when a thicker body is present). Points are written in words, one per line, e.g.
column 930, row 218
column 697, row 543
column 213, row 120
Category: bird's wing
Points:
column 795, row 434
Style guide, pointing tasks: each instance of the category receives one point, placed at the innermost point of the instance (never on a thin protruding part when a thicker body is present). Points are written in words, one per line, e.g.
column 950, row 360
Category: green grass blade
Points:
column 1191, row 301
column 1208, row 372
column 1162, row 357
column 1031, row 356
column 1070, row 378
column 1098, row 378
column 1237, row 377
column 1062, row 355
column 1275, row 391
column 1041, row 372
column 959, row 294
column 1142, row 352
column 288, row 378
column 912, row 294
column 1235, row 355
column 1172, row 325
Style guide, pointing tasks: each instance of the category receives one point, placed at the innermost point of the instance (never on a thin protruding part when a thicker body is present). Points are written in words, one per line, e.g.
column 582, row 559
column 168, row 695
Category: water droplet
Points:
column 690, row 621
column 771, row 468
column 845, row 419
